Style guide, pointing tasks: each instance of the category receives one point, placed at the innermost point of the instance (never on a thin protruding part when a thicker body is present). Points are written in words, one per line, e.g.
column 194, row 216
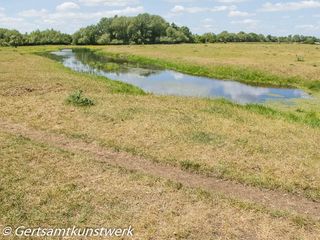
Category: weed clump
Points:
column 300, row 58
column 78, row 99
column 314, row 85
column 190, row 166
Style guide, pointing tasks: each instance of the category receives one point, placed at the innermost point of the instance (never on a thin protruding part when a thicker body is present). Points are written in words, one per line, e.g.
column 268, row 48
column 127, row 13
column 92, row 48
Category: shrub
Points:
column 78, row 99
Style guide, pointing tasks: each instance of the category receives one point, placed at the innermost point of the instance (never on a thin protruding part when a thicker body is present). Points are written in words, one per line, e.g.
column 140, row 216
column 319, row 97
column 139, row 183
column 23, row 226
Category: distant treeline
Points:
column 142, row 29
column 15, row 38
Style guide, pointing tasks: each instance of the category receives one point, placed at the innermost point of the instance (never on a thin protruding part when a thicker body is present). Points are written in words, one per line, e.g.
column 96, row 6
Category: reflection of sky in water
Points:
column 166, row 82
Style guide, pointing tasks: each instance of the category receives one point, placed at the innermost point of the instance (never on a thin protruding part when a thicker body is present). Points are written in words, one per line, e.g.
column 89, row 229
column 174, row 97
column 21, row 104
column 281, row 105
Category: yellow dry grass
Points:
column 55, row 187
column 211, row 136
column 48, row 187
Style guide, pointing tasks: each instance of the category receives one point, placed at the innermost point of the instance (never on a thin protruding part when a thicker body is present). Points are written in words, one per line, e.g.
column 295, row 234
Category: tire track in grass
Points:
column 274, row 200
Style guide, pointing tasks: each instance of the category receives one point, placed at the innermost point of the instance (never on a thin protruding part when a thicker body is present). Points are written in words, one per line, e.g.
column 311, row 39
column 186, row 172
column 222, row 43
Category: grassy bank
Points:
column 262, row 64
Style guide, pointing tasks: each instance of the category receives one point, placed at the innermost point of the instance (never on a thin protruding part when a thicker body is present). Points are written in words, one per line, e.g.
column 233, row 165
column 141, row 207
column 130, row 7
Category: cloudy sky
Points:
column 268, row 17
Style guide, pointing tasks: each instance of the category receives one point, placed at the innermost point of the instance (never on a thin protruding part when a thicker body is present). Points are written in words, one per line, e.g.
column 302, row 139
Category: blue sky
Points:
column 267, row 17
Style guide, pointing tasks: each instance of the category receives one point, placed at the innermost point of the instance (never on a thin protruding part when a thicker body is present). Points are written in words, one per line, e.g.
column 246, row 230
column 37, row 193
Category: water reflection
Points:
column 167, row 82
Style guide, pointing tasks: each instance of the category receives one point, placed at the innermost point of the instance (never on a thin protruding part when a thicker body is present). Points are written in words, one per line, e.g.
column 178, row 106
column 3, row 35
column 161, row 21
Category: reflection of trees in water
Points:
column 112, row 65
column 147, row 74
column 170, row 82
column 142, row 71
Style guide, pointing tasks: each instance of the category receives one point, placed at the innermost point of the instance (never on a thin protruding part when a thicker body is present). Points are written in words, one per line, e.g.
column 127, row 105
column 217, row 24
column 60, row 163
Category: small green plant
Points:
column 315, row 85
column 190, row 166
column 300, row 58
column 78, row 99
column 206, row 138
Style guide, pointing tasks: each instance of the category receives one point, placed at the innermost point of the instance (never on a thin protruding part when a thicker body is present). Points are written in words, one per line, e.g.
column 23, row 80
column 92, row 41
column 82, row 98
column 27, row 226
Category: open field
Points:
column 81, row 191
column 278, row 64
column 270, row 148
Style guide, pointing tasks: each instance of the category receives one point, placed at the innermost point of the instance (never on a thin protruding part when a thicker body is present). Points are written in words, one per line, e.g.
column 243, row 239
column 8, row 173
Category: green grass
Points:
column 190, row 166
column 315, row 86
column 78, row 99
column 116, row 87
column 257, row 64
column 310, row 118
column 244, row 75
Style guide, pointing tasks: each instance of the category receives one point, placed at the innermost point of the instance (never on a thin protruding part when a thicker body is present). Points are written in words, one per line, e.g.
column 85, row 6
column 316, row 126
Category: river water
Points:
column 168, row 82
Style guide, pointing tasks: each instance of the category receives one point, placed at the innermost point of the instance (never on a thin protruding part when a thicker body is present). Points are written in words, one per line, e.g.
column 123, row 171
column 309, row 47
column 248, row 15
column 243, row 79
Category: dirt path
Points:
column 271, row 199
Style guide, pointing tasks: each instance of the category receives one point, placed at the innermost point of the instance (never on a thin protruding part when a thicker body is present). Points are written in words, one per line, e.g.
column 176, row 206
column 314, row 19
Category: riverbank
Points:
column 257, row 64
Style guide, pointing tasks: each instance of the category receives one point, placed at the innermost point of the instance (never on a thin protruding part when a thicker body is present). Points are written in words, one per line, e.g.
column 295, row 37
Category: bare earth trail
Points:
column 275, row 200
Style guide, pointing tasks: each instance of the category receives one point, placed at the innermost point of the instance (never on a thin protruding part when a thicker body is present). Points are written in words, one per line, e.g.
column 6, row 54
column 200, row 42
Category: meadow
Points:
column 258, row 63
column 272, row 148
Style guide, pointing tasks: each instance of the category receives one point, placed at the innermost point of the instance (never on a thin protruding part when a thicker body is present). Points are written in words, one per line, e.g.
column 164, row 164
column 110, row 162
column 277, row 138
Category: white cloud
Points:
column 76, row 19
column 290, row 6
column 33, row 13
column 232, row 1
column 308, row 27
column 250, row 23
column 181, row 9
column 235, row 13
column 180, row 1
column 9, row 21
column 208, row 27
column 57, row 19
column 110, row 3
column 67, row 6
column 207, row 20
column 219, row 1
column 2, row 13
column 124, row 11
column 13, row 22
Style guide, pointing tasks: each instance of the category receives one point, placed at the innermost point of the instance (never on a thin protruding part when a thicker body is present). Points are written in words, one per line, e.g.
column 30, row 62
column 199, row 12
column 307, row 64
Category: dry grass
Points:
column 207, row 136
column 80, row 191
column 278, row 59
column 211, row 136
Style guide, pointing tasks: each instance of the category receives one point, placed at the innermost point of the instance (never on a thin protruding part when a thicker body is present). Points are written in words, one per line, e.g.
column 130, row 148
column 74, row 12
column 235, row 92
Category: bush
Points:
column 78, row 99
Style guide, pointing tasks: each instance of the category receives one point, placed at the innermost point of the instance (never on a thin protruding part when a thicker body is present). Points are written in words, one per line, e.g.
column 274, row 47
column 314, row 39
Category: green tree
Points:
column 104, row 39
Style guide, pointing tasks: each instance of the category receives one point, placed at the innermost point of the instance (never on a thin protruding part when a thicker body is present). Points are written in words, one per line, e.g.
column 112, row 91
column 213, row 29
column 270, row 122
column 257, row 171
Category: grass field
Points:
column 277, row 64
column 273, row 147
column 79, row 191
